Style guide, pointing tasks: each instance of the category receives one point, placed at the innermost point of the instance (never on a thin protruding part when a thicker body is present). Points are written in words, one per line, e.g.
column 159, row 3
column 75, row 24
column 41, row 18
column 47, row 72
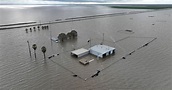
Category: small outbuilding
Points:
column 102, row 51
column 79, row 52
column 84, row 61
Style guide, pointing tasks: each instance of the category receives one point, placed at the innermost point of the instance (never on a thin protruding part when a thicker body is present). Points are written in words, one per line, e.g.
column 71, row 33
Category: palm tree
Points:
column 62, row 37
column 34, row 48
column 43, row 50
column 74, row 33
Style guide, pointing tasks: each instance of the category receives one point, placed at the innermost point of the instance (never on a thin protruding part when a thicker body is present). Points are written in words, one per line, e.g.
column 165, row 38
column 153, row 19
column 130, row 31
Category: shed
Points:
column 80, row 52
column 102, row 50
column 84, row 61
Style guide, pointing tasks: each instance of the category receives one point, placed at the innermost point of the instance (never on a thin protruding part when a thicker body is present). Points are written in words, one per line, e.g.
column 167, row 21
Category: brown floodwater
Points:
column 145, row 67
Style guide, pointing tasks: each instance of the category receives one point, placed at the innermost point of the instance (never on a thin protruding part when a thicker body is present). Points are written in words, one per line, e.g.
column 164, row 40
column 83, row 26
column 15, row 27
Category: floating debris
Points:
column 50, row 57
column 96, row 74
column 75, row 75
column 151, row 16
column 131, row 52
column 123, row 58
column 127, row 31
column 145, row 44
column 53, row 56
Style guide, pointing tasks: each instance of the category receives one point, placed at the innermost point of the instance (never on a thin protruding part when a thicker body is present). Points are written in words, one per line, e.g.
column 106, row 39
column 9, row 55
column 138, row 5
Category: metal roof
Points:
column 79, row 51
column 102, row 48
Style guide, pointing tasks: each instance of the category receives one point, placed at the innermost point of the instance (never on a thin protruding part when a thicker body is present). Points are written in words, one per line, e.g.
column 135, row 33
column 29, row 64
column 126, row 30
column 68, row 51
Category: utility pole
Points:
column 51, row 35
column 103, row 38
column 90, row 46
column 90, row 42
column 50, row 31
column 29, row 48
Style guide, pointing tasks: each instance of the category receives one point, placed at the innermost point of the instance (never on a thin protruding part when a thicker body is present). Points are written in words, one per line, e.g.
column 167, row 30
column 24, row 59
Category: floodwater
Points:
column 147, row 68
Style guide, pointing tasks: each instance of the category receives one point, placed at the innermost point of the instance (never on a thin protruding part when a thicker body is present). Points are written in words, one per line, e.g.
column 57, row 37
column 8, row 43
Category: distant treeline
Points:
column 17, row 24
column 142, row 6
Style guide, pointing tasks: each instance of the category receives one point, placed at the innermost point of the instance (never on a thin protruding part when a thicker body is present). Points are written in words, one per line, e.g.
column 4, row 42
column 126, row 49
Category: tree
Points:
column 34, row 46
column 69, row 35
column 47, row 27
column 26, row 30
column 62, row 37
column 42, row 27
column 34, row 28
column 30, row 29
column 74, row 33
column 43, row 50
column 38, row 27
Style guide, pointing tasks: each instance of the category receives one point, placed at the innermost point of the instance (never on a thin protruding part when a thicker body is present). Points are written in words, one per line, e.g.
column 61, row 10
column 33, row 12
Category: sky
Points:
column 85, row 1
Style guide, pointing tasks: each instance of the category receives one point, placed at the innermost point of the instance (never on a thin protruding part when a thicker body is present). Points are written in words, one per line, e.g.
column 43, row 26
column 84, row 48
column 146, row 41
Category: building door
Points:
column 110, row 53
column 104, row 55
column 113, row 52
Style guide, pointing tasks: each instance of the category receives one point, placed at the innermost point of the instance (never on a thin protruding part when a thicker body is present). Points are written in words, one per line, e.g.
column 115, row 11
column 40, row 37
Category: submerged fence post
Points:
column 29, row 48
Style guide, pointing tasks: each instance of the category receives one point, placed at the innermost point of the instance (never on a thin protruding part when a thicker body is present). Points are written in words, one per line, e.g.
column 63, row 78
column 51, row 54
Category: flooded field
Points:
column 142, row 60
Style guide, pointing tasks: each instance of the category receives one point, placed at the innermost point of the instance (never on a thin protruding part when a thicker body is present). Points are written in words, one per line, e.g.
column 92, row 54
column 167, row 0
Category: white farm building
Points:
column 79, row 52
column 102, row 51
